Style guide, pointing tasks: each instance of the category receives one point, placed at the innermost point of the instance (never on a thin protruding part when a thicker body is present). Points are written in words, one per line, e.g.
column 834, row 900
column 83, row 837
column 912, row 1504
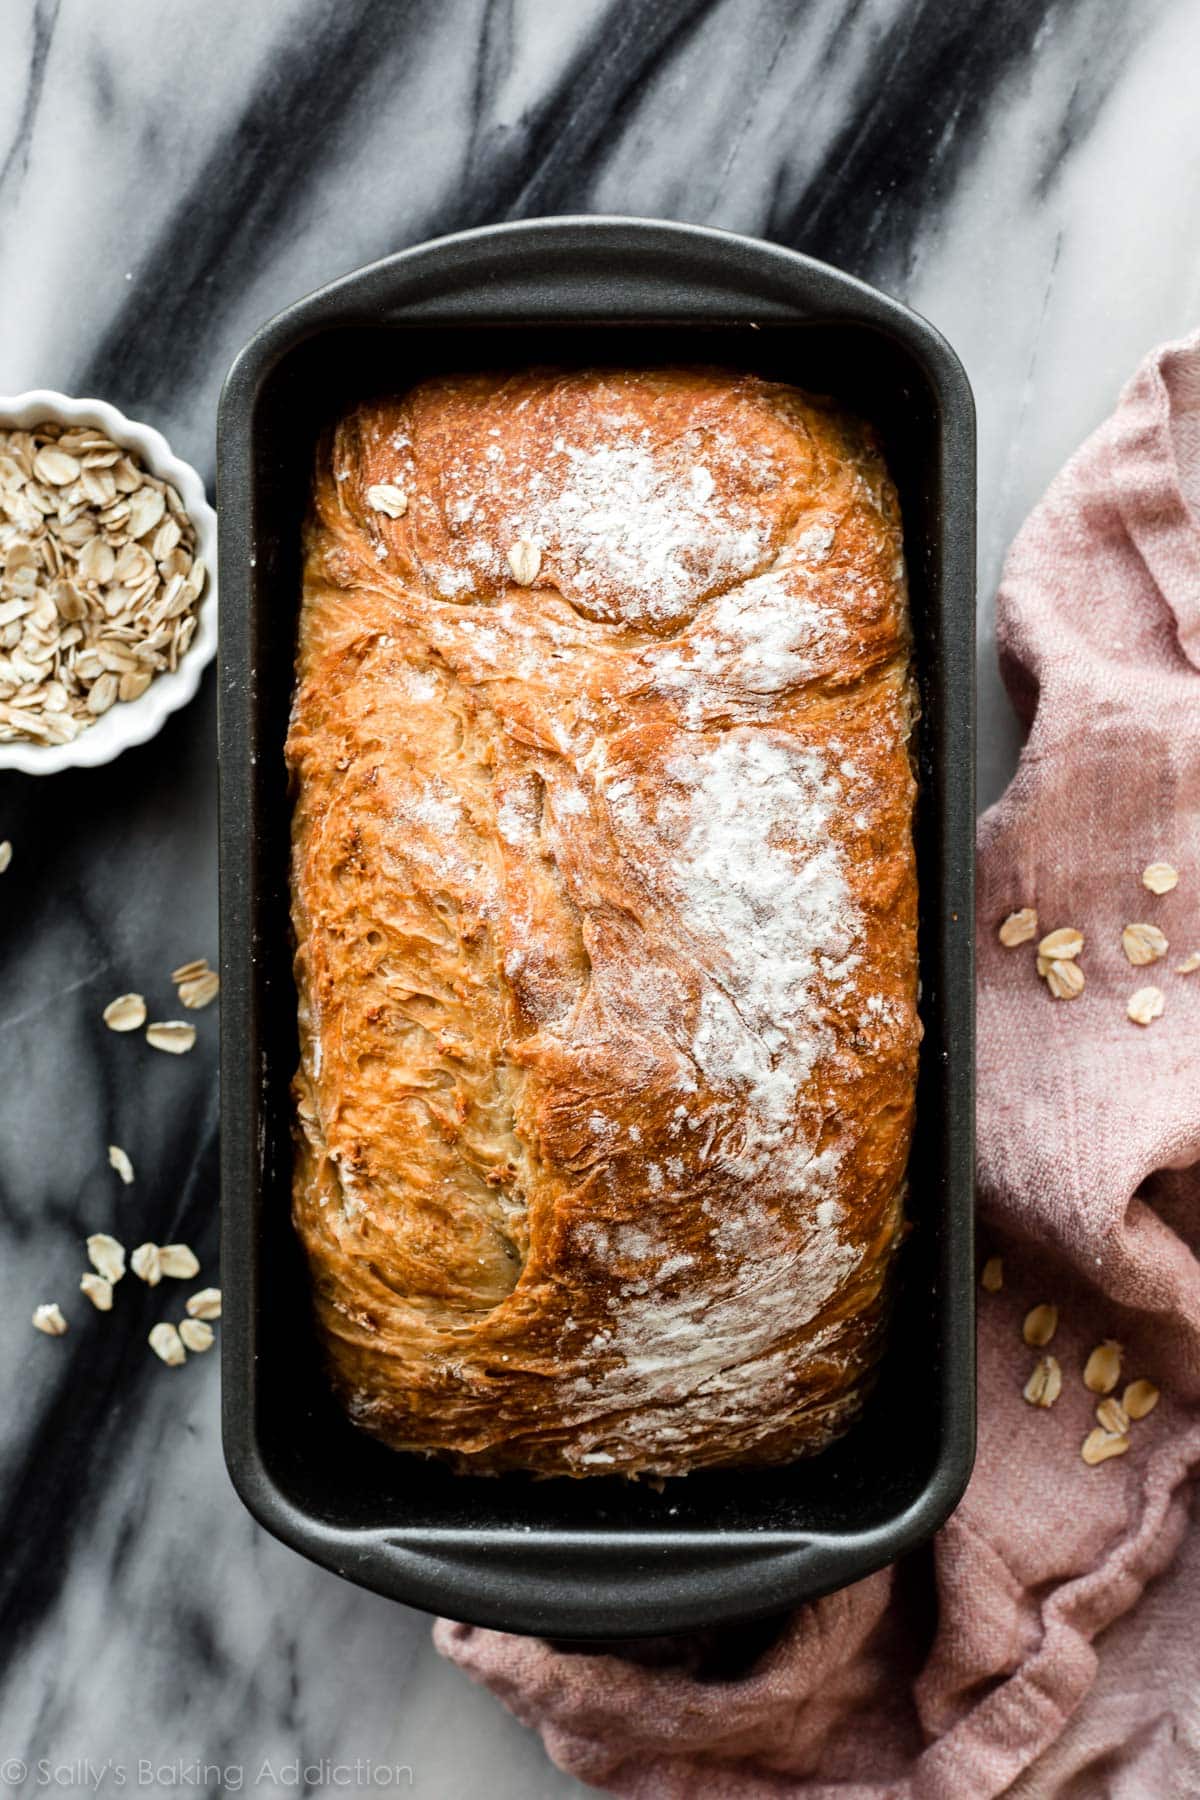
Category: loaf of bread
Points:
column 605, row 917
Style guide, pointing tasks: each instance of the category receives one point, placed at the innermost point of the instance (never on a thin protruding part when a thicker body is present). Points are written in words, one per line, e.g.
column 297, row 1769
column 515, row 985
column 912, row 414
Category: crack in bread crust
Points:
column 605, row 915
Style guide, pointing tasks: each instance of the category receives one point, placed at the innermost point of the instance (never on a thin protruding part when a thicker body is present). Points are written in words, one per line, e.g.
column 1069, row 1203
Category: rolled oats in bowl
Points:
column 100, row 579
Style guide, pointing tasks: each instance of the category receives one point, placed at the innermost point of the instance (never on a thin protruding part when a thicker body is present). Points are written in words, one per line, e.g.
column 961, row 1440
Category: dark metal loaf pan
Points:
column 594, row 1558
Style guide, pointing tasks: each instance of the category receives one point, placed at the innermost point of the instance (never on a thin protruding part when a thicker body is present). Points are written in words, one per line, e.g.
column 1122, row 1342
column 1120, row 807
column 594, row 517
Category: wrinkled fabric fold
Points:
column 990, row 1663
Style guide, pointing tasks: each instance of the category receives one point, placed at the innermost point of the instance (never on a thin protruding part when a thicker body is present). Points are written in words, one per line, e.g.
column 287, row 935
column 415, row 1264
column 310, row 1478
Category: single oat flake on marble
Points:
column 178, row 1261
column 196, row 1335
column 174, row 1036
column 146, row 1263
column 99, row 580
column 1160, row 877
column 5, row 855
column 1019, row 928
column 206, row 1304
column 126, row 1013
column 167, row 1344
column 49, row 1318
column 188, row 971
column 200, row 990
column 98, row 1290
column 118, row 1160
column 106, row 1255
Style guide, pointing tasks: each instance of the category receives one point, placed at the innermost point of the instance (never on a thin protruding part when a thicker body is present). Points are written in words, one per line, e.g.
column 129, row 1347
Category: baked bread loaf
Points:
column 605, row 918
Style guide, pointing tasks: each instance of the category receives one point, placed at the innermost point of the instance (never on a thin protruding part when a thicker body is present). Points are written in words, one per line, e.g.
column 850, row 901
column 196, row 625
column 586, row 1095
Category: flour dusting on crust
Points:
column 739, row 841
column 739, row 844
column 621, row 517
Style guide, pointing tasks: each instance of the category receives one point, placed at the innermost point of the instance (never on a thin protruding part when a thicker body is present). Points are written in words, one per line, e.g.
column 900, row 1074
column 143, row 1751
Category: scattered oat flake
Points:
column 98, row 1290
column 196, row 1334
column 1146, row 1005
column 1061, row 945
column 48, row 1318
column 206, row 1304
column 106, row 1255
column 166, row 1343
column 126, row 1013
column 1112, row 1415
column 1045, row 1384
column 1102, row 1371
column 200, row 990
column 1189, row 965
column 524, row 561
column 1065, row 980
column 174, row 1036
column 120, row 1162
column 1040, row 1325
column 5, row 855
column 1099, row 1445
column 1019, row 928
column 1143, row 944
column 1139, row 1398
column 992, row 1278
column 1160, row 877
column 146, row 1264
column 189, row 971
column 178, row 1261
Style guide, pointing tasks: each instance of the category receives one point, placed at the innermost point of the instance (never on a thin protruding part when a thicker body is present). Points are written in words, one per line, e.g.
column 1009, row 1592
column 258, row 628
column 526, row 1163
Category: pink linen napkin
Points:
column 1026, row 1649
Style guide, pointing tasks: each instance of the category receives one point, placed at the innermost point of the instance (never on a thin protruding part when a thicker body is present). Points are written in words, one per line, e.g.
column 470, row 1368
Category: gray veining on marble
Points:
column 1025, row 172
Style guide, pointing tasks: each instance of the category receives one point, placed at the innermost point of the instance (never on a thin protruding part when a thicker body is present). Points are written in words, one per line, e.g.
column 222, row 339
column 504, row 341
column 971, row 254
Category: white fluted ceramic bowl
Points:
column 129, row 721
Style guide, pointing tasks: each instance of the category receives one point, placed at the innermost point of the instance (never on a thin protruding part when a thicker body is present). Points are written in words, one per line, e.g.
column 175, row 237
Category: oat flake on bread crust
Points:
column 605, row 910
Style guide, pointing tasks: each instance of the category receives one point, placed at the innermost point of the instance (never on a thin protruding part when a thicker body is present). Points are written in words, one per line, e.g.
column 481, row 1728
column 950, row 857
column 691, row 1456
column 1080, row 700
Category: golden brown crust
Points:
column 605, row 912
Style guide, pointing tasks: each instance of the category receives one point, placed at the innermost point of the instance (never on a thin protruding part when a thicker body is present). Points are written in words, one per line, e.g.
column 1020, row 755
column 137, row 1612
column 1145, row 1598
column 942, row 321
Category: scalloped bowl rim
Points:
column 129, row 722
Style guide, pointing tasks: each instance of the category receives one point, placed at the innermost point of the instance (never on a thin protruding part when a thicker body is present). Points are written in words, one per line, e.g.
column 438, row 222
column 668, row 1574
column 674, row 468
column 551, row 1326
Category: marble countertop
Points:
column 1024, row 172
